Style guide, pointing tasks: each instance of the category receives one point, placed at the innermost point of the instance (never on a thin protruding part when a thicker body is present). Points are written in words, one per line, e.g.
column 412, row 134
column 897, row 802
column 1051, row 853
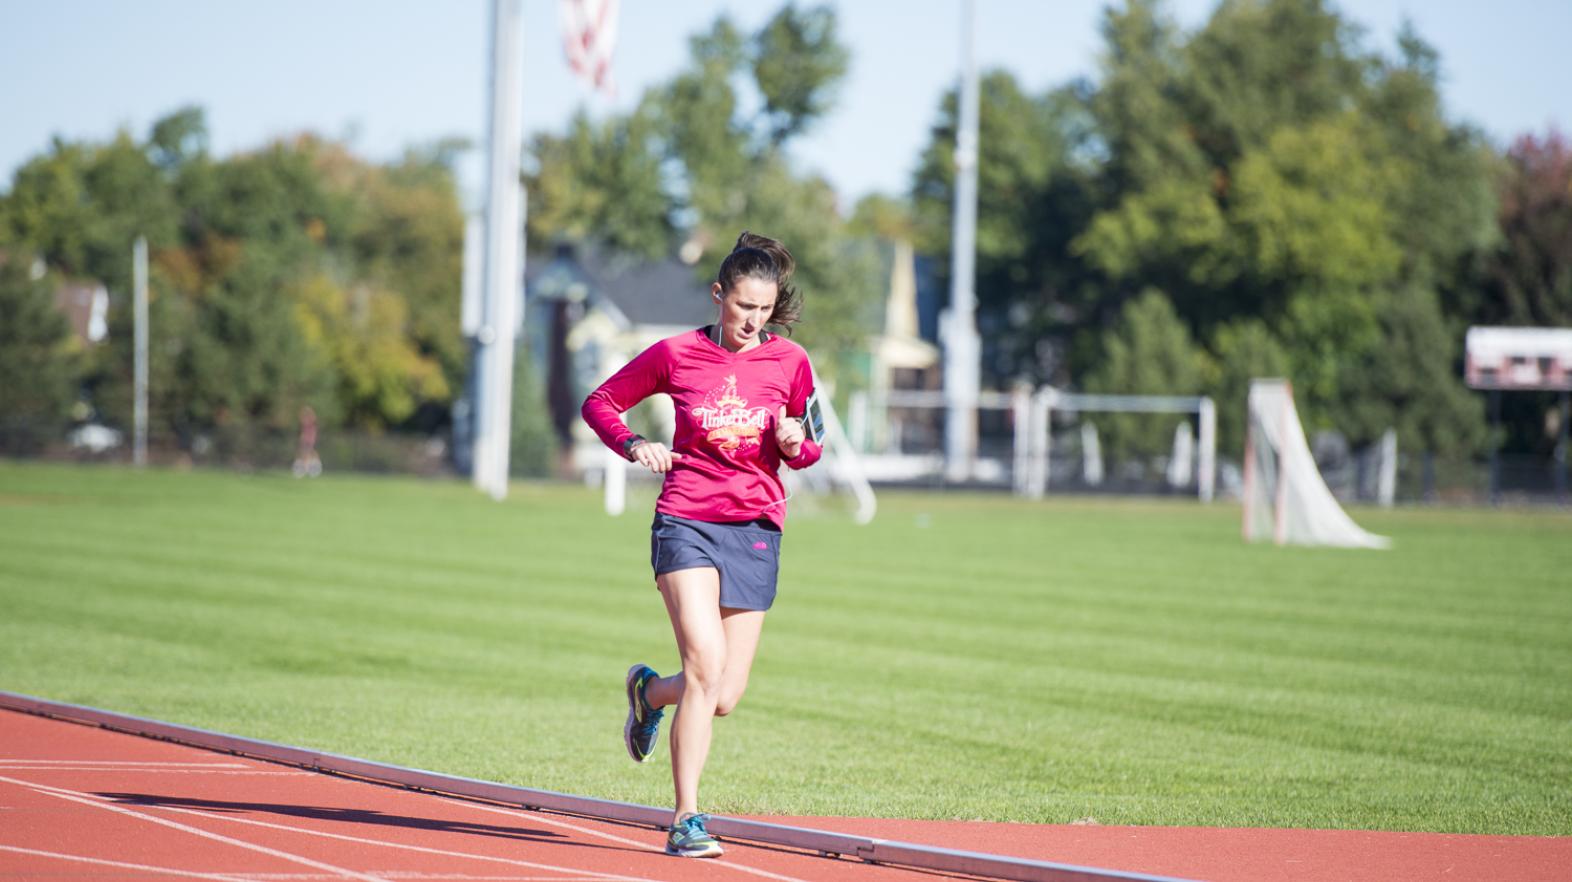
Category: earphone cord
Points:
column 782, row 502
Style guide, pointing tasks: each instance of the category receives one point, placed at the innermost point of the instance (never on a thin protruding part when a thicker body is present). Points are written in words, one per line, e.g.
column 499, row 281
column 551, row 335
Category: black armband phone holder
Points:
column 813, row 419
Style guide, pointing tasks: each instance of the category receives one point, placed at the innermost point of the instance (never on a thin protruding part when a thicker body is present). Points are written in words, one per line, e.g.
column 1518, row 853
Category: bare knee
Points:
column 728, row 701
column 704, row 675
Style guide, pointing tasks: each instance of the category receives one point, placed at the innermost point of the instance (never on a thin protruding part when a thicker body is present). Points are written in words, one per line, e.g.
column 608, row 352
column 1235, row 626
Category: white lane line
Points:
column 93, row 800
column 124, row 770
column 577, row 874
column 122, row 864
column 84, row 799
column 17, row 761
column 409, row 874
column 589, row 831
column 592, row 874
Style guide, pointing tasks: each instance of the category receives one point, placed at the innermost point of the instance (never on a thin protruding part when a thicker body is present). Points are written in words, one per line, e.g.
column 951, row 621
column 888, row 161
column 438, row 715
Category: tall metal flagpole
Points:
column 139, row 356
column 500, row 313
column 962, row 352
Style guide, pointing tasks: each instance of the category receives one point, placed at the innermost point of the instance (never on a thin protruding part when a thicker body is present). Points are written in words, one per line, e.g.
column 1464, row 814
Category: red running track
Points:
column 78, row 801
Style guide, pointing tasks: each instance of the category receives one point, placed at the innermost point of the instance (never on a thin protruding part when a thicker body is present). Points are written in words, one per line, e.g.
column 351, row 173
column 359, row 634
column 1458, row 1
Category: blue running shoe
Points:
column 690, row 839
column 643, row 725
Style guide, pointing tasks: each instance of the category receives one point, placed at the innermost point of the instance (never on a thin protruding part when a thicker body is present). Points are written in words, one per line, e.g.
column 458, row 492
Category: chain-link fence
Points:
column 1351, row 473
column 243, row 449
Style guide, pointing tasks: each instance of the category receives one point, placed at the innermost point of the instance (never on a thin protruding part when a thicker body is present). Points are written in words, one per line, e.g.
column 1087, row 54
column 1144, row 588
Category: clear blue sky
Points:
column 385, row 75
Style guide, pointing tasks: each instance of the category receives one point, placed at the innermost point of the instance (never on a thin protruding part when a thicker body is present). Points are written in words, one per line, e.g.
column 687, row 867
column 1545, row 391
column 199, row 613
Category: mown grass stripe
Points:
column 964, row 656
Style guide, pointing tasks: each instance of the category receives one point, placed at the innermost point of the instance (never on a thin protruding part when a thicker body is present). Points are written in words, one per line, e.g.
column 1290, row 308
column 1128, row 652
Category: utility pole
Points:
column 139, row 356
column 500, row 313
column 961, row 350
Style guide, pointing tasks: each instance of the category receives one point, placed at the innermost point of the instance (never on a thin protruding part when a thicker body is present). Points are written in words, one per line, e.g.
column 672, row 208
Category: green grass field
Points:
column 962, row 657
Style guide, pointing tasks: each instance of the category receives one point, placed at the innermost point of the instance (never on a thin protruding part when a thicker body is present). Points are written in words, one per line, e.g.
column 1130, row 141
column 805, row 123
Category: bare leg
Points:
column 742, row 627
column 693, row 603
column 742, row 641
column 717, row 648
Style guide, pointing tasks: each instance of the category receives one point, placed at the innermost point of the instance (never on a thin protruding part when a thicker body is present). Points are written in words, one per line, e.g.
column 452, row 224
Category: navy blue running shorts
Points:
column 747, row 555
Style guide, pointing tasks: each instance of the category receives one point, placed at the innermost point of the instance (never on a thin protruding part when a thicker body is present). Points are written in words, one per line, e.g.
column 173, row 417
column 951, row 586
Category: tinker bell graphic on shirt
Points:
column 727, row 420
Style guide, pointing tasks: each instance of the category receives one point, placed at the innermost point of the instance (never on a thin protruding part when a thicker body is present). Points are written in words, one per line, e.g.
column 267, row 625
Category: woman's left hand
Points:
column 788, row 434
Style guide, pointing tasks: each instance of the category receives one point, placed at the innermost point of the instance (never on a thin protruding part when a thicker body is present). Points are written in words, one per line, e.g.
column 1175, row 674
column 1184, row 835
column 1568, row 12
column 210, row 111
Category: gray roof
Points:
column 647, row 292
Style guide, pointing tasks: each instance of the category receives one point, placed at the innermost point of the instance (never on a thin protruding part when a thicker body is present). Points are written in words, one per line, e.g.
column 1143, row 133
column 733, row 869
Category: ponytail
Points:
column 766, row 259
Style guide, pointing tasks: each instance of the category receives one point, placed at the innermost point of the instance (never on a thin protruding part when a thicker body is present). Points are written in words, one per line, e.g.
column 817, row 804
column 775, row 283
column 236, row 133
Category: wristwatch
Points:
column 628, row 445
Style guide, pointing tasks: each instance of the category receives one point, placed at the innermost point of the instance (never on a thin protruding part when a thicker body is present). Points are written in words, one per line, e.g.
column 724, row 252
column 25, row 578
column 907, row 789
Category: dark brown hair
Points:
column 766, row 259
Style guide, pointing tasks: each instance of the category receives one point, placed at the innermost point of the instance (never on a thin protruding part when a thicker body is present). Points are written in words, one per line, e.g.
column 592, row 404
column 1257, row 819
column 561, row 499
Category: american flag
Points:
column 589, row 34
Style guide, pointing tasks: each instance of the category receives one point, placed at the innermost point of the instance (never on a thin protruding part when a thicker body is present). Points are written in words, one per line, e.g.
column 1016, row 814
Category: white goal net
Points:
column 1285, row 498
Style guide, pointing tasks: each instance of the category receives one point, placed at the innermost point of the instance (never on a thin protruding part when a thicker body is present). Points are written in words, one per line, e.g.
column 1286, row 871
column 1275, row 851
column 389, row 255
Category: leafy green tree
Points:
column 718, row 146
column 841, row 278
column 1148, row 352
column 405, row 238
column 1034, row 196
column 1315, row 242
column 1233, row 157
column 363, row 331
column 38, row 367
column 1245, row 350
column 227, row 356
column 81, row 206
column 250, row 366
column 1410, row 382
column 1269, row 173
column 706, row 155
column 1527, row 276
column 879, row 216
column 1259, row 66
column 708, row 144
column 1173, row 231
column 730, row 169
column 172, row 332
column 296, row 273
column 1144, row 132
column 534, row 446
column 1157, row 220
column 362, row 264
column 48, row 208
column 1326, row 329
column 1021, row 144
column 602, row 182
column 279, row 199
column 797, row 63
column 1443, row 202
column 178, row 138
column 1309, row 209
column 1524, row 276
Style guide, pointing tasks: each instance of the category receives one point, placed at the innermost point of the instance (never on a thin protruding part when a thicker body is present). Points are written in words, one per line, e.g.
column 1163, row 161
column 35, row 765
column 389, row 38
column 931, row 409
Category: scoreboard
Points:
column 1519, row 358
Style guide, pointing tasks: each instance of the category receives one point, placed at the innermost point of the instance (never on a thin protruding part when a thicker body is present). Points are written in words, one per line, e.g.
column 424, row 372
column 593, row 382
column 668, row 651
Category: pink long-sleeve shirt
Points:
column 727, row 407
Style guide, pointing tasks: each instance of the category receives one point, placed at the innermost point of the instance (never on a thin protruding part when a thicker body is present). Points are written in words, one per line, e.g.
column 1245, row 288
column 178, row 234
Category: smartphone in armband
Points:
column 813, row 419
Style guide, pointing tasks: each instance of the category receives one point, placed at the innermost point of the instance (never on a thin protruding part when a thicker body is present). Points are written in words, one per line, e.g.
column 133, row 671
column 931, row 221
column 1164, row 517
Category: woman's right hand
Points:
column 654, row 456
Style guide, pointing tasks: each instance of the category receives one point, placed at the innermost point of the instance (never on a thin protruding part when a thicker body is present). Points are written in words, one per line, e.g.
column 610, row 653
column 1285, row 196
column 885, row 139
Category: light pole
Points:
column 961, row 350
column 501, row 298
column 139, row 356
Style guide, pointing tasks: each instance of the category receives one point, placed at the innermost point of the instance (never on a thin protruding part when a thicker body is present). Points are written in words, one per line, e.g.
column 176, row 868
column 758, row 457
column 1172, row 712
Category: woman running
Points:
column 739, row 393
